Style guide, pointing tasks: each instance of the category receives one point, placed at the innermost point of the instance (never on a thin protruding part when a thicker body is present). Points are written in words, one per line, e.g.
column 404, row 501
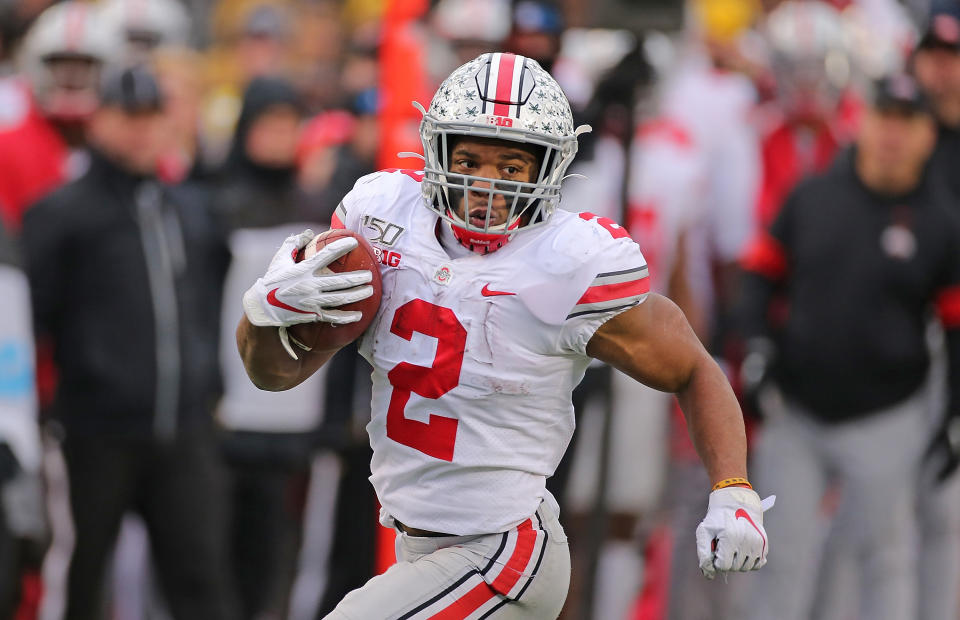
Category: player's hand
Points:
column 943, row 453
column 305, row 292
column 731, row 537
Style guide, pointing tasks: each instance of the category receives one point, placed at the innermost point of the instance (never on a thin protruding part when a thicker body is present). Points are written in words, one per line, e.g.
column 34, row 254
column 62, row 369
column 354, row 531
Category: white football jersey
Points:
column 475, row 358
column 666, row 193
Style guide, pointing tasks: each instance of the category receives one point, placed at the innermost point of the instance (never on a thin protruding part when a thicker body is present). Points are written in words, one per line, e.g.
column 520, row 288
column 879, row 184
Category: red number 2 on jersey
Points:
column 437, row 437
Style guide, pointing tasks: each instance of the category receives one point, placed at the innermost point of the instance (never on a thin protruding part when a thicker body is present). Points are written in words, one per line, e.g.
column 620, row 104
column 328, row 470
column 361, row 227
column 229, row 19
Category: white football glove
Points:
column 304, row 292
column 731, row 537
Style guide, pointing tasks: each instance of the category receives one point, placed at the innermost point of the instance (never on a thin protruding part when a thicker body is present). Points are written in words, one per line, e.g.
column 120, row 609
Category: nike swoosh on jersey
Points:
column 486, row 292
column 273, row 301
column 742, row 514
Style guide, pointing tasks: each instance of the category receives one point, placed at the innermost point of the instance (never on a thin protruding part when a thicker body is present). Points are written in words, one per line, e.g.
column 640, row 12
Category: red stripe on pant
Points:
column 466, row 604
column 508, row 577
column 511, row 573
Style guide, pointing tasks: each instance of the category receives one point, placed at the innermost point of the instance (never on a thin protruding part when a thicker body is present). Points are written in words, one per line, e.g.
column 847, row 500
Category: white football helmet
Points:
column 809, row 56
column 148, row 24
column 880, row 36
column 63, row 55
column 503, row 96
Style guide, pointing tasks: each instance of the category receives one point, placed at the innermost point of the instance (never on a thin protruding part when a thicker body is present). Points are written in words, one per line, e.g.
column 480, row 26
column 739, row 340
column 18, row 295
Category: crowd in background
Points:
column 154, row 153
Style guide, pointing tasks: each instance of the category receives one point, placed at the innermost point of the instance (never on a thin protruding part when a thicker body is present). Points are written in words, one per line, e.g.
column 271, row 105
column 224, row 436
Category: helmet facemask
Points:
column 71, row 92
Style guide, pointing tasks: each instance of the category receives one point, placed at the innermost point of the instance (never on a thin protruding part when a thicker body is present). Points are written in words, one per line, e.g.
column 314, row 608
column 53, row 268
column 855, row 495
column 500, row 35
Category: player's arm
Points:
column 654, row 344
column 268, row 364
column 291, row 293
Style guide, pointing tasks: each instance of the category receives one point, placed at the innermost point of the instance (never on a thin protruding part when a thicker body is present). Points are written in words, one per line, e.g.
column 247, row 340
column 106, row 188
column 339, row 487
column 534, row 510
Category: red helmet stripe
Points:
column 506, row 85
column 75, row 26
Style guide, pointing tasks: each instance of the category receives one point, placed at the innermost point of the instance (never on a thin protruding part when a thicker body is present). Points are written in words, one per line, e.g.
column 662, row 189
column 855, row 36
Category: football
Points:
column 325, row 335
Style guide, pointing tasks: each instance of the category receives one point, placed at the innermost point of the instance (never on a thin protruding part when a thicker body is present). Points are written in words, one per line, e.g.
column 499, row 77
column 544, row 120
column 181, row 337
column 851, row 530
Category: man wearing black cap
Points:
column 863, row 253
column 936, row 65
column 125, row 277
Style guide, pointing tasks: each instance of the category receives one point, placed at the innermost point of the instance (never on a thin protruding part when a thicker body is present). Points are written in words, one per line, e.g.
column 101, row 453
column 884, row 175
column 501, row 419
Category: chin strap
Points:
column 478, row 242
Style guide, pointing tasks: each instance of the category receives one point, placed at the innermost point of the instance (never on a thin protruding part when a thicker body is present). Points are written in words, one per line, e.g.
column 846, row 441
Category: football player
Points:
column 491, row 310
column 47, row 105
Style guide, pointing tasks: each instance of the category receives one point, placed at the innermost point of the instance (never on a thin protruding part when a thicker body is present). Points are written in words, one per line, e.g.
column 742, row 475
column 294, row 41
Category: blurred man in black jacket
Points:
column 936, row 65
column 864, row 253
column 126, row 277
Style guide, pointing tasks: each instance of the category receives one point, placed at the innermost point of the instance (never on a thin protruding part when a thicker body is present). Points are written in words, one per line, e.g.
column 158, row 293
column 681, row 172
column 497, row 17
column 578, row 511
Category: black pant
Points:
column 178, row 490
column 267, row 511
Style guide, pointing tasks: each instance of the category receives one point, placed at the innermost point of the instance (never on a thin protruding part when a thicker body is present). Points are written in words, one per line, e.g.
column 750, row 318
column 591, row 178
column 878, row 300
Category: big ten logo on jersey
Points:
column 497, row 121
column 387, row 257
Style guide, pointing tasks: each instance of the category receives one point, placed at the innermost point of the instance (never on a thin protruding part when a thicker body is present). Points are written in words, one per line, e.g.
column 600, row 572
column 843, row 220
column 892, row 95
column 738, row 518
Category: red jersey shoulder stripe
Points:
column 610, row 292
column 339, row 216
column 613, row 290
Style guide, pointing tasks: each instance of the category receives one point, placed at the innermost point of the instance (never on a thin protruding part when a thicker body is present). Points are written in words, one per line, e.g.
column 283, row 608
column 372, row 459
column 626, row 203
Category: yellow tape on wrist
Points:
column 729, row 482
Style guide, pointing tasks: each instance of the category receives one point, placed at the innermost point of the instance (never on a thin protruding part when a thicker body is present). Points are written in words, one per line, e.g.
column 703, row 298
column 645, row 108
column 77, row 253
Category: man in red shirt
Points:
column 43, row 110
column 812, row 114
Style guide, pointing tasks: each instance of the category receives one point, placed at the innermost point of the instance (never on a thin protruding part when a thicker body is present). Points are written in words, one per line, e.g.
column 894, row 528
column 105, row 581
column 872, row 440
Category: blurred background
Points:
column 705, row 115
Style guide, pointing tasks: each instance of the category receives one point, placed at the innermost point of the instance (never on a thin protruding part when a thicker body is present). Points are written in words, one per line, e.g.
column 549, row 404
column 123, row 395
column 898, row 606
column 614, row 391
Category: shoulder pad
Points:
column 589, row 264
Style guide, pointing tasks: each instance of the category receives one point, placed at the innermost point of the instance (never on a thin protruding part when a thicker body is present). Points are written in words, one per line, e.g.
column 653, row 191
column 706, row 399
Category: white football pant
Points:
column 519, row 574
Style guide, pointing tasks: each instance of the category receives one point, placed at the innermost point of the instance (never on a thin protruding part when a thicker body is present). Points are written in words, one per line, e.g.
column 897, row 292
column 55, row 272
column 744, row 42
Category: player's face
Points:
column 491, row 159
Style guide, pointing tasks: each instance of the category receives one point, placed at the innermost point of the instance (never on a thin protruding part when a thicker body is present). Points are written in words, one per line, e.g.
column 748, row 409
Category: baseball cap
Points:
column 134, row 89
column 899, row 92
column 536, row 16
column 943, row 27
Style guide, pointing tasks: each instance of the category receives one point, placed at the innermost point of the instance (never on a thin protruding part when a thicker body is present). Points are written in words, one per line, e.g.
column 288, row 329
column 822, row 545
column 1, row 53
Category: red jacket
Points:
column 33, row 156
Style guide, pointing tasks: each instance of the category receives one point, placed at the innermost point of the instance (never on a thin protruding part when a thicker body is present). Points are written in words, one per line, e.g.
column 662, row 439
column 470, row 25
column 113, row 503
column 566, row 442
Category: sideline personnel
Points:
column 863, row 252
column 125, row 278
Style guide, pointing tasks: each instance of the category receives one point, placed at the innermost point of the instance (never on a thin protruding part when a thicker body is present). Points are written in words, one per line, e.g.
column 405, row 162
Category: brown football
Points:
column 325, row 335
